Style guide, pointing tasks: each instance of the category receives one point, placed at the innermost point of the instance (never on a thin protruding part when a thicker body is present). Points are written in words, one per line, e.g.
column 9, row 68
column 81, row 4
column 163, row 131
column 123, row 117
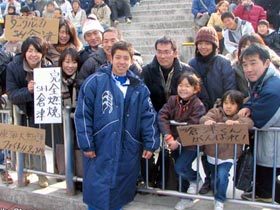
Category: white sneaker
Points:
column 219, row 205
column 184, row 204
column 192, row 187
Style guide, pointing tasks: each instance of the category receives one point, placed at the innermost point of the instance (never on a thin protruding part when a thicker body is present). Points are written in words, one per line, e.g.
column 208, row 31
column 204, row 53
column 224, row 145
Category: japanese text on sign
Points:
column 22, row 139
column 47, row 95
column 213, row 134
column 18, row 28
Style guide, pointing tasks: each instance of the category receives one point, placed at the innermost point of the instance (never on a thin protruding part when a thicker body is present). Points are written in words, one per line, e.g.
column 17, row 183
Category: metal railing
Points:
column 71, row 178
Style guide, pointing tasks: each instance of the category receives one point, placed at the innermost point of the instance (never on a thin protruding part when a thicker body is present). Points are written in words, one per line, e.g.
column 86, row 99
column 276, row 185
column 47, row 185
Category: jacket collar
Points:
column 134, row 79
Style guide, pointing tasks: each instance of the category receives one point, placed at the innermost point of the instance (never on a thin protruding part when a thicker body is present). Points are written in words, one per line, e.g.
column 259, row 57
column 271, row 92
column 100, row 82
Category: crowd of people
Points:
column 122, row 106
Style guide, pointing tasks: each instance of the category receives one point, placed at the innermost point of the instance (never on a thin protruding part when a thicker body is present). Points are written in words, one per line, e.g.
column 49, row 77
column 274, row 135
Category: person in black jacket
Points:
column 161, row 77
column 20, row 91
column 102, row 56
column 92, row 33
column 272, row 8
column 270, row 36
column 162, row 74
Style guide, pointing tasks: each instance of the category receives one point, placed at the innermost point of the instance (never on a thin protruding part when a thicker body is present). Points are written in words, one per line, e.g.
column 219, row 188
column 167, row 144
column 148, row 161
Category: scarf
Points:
column 29, row 71
column 166, row 84
column 68, row 90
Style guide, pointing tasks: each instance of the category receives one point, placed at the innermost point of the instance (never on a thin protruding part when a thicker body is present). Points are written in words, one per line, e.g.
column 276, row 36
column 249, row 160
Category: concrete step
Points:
column 55, row 198
column 150, row 41
column 158, row 32
column 149, row 6
column 156, row 25
column 139, row 19
column 157, row 11
column 143, row 2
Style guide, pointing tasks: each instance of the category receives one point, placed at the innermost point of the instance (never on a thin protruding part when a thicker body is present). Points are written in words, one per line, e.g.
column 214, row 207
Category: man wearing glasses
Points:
column 162, row 74
column 161, row 77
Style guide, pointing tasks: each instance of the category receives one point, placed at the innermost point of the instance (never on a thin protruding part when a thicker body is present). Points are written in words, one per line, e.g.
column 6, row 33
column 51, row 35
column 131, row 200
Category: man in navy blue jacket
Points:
column 115, row 123
column 264, row 108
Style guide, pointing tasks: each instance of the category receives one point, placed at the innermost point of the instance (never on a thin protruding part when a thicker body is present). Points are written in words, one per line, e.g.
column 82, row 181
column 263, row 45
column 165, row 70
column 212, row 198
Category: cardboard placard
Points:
column 22, row 139
column 47, row 95
column 212, row 134
column 18, row 28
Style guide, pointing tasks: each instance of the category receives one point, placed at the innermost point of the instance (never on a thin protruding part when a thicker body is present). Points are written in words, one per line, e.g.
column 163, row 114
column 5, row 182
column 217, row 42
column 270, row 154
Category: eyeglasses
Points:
column 165, row 52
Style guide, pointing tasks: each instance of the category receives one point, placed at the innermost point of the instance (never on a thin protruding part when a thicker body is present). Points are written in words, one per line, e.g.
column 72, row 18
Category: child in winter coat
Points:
column 270, row 36
column 184, row 107
column 231, row 102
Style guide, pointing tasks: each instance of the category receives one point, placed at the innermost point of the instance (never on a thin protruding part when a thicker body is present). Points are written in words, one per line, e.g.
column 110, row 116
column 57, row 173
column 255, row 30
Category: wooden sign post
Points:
column 22, row 139
column 213, row 134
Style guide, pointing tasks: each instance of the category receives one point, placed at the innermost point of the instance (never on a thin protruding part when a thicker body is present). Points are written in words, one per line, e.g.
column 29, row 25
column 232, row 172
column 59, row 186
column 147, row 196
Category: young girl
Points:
column 230, row 104
column 184, row 107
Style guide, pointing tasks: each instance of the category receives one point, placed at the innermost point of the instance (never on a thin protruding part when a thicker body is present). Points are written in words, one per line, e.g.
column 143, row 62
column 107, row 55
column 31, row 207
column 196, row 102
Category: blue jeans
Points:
column 96, row 209
column 221, row 180
column 183, row 165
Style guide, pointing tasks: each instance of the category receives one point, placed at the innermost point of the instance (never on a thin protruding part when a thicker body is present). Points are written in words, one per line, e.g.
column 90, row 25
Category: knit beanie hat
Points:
column 207, row 34
column 92, row 25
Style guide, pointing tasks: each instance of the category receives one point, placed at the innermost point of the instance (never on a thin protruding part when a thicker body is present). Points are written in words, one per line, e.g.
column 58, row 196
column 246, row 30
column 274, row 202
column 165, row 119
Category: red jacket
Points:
column 254, row 15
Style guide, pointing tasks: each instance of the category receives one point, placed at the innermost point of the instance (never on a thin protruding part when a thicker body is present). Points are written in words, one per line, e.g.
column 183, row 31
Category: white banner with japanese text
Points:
column 47, row 95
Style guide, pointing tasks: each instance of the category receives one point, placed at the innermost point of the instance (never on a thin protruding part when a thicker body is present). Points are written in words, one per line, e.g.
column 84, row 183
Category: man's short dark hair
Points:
column 113, row 30
column 255, row 49
column 166, row 40
column 227, row 15
column 122, row 45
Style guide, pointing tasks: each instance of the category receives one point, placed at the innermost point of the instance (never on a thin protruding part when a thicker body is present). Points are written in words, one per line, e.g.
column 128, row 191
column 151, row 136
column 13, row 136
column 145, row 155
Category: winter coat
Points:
column 252, row 15
column 102, row 13
column 232, row 37
column 91, row 65
column 54, row 55
column 154, row 80
column 272, row 40
column 175, row 109
column 217, row 77
column 198, row 7
column 117, row 129
column 19, row 95
column 264, row 103
column 16, row 85
column 215, row 20
column 241, row 81
column 77, row 19
column 225, row 151
column 86, row 53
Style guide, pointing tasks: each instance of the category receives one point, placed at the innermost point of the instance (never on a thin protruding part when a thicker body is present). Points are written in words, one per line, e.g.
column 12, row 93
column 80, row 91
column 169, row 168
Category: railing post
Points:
column 20, row 167
column 68, row 145
column 19, row 156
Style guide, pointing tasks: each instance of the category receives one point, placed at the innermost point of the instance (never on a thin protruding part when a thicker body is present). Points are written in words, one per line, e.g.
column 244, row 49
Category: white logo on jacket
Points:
column 107, row 101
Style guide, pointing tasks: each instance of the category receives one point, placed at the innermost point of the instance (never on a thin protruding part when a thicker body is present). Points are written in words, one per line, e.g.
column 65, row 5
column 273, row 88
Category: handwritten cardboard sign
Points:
column 22, row 139
column 18, row 28
column 212, row 134
column 47, row 95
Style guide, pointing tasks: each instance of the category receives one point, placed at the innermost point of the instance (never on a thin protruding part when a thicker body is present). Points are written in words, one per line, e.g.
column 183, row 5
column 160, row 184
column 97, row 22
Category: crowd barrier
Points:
column 71, row 178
